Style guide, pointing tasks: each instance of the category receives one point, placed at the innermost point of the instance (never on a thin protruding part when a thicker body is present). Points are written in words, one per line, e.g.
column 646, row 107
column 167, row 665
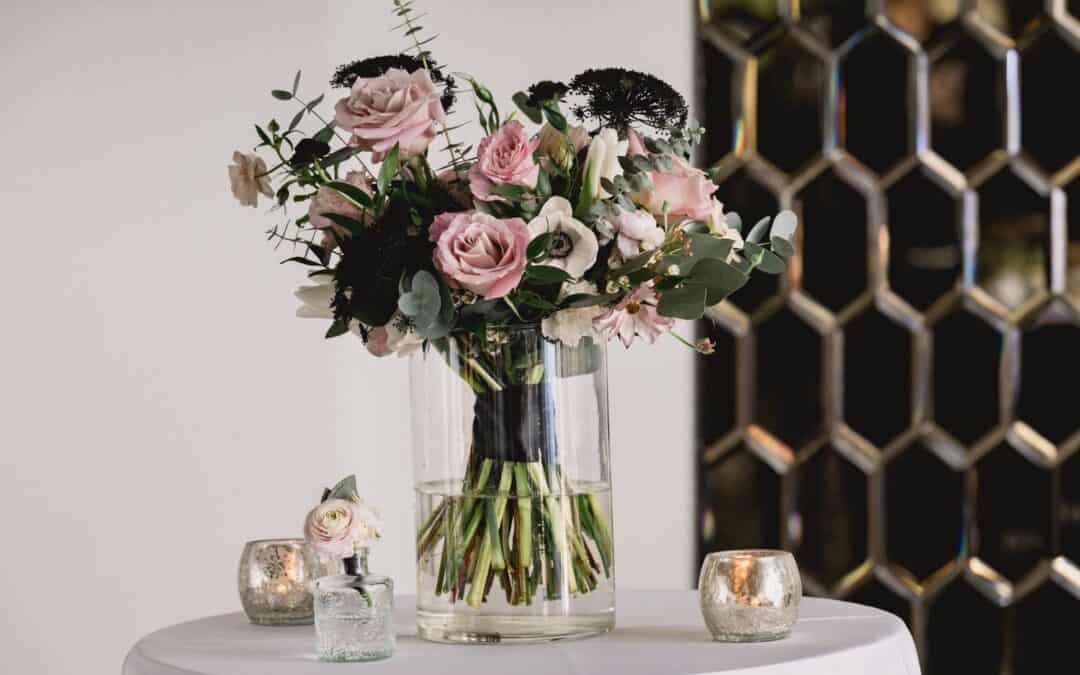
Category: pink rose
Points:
column 637, row 232
column 504, row 158
column 479, row 252
column 336, row 528
column 686, row 191
column 396, row 108
column 328, row 200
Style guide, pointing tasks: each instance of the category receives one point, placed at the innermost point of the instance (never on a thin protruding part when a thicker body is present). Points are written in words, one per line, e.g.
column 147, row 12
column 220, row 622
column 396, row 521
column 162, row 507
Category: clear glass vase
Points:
column 513, row 488
column 354, row 613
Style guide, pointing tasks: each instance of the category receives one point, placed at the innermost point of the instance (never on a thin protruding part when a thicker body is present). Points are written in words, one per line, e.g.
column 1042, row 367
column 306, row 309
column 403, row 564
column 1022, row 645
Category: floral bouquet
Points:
column 579, row 214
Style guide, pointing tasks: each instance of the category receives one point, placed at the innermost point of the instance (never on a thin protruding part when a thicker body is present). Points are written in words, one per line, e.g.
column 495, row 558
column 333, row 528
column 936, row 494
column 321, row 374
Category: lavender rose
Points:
column 337, row 527
column 396, row 108
column 504, row 158
column 479, row 252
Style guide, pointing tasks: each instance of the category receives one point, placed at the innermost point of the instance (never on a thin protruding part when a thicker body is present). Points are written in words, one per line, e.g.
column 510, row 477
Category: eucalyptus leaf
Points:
column 753, row 253
column 757, row 232
column 684, row 302
column 296, row 119
column 784, row 225
column 710, row 246
column 422, row 302
column 281, row 94
column 296, row 83
column 345, row 489
column 782, row 247
column 720, row 278
column 770, row 262
column 734, row 221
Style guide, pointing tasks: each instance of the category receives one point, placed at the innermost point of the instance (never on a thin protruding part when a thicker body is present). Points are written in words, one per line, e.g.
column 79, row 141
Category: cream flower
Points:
column 602, row 161
column 315, row 300
column 717, row 223
column 396, row 337
column 568, row 326
column 338, row 527
column 561, row 148
column 247, row 177
column 574, row 246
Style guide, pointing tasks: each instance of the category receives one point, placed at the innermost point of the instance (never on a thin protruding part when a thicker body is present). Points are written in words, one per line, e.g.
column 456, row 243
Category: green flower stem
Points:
column 524, row 525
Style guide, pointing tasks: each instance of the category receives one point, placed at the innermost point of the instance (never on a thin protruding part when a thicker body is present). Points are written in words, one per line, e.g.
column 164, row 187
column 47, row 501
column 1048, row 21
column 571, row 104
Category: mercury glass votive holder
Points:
column 275, row 581
column 750, row 596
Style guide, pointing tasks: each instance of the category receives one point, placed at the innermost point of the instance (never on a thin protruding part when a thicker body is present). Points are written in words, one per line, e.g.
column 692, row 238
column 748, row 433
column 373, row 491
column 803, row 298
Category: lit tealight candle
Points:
column 750, row 596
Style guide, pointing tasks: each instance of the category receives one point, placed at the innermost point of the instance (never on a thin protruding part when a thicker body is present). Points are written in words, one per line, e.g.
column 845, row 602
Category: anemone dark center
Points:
column 561, row 245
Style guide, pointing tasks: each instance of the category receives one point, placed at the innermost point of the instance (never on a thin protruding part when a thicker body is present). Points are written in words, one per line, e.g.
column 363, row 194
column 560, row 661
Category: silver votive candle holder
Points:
column 751, row 595
column 275, row 581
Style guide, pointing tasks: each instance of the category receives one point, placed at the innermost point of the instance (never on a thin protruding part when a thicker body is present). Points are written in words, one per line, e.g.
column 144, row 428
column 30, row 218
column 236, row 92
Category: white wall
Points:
column 159, row 404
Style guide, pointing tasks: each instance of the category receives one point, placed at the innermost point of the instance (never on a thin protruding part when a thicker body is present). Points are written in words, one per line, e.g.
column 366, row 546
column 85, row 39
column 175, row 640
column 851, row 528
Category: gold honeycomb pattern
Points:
column 899, row 408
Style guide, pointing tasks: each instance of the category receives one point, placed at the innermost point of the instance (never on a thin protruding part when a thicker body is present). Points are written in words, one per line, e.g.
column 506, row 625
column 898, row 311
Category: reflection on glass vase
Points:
column 513, row 487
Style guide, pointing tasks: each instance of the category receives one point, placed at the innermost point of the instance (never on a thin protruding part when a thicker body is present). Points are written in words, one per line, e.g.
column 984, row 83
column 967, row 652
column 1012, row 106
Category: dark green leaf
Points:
column 546, row 274
column 262, row 135
column 325, row 134
column 296, row 119
column 720, row 278
column 353, row 193
column 350, row 224
column 296, row 83
column 337, row 328
column 710, row 246
column 314, row 102
column 758, row 231
column 302, row 260
column 508, row 190
column 538, row 246
column 753, row 253
column 389, row 169
column 521, row 100
column 685, row 302
column 554, row 116
column 281, row 94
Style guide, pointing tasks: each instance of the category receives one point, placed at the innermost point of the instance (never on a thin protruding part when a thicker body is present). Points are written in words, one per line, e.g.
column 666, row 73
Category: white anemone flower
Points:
column 574, row 246
column 568, row 326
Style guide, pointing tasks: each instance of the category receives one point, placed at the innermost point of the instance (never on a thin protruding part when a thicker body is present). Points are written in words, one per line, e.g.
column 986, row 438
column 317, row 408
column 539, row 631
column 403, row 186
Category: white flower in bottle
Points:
column 602, row 161
column 573, row 246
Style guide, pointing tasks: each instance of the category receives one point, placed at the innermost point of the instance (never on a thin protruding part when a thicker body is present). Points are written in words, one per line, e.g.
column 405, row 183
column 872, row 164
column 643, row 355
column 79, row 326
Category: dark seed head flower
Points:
column 546, row 90
column 617, row 97
column 347, row 73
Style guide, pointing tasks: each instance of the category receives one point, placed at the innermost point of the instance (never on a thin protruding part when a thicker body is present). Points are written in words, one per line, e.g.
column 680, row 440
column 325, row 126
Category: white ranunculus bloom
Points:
column 574, row 246
column 568, row 326
column 602, row 161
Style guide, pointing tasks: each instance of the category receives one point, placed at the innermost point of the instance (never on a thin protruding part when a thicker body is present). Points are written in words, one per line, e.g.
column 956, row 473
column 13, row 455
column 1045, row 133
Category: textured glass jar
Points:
column 354, row 614
column 275, row 578
column 750, row 596
column 513, row 489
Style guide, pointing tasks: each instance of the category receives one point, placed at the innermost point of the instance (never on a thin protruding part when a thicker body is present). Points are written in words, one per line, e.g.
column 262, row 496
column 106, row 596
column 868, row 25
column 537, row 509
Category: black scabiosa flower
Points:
column 307, row 150
column 617, row 97
column 375, row 66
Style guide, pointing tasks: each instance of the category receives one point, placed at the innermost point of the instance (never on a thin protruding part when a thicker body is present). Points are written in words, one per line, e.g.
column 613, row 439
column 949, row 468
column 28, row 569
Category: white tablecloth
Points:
column 657, row 633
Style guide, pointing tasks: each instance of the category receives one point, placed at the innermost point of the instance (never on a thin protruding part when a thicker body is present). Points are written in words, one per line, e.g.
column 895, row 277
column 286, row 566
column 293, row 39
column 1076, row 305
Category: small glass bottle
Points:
column 354, row 613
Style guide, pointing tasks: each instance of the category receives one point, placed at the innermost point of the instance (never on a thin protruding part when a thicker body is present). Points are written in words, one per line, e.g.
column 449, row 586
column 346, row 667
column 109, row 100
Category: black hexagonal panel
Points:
column 1072, row 252
column 1014, row 249
column 967, row 367
column 924, row 507
column 834, row 240
column 1048, row 123
column 788, row 400
column 877, row 594
column 719, row 120
column 832, row 21
column 924, row 239
column 742, row 21
column 741, row 193
column 967, row 102
column 1050, row 366
column 1047, row 646
column 874, row 91
column 716, row 385
column 877, row 391
column 1013, row 513
column 791, row 83
column 966, row 633
column 830, row 520
column 741, row 496
column 1068, row 509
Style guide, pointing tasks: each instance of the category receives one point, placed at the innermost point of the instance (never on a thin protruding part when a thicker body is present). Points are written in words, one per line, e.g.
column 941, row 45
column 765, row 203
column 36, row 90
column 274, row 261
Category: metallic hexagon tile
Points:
column 895, row 409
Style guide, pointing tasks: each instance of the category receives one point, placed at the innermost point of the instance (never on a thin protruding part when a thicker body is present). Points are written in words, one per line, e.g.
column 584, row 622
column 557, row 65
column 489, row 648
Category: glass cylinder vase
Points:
column 513, row 488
